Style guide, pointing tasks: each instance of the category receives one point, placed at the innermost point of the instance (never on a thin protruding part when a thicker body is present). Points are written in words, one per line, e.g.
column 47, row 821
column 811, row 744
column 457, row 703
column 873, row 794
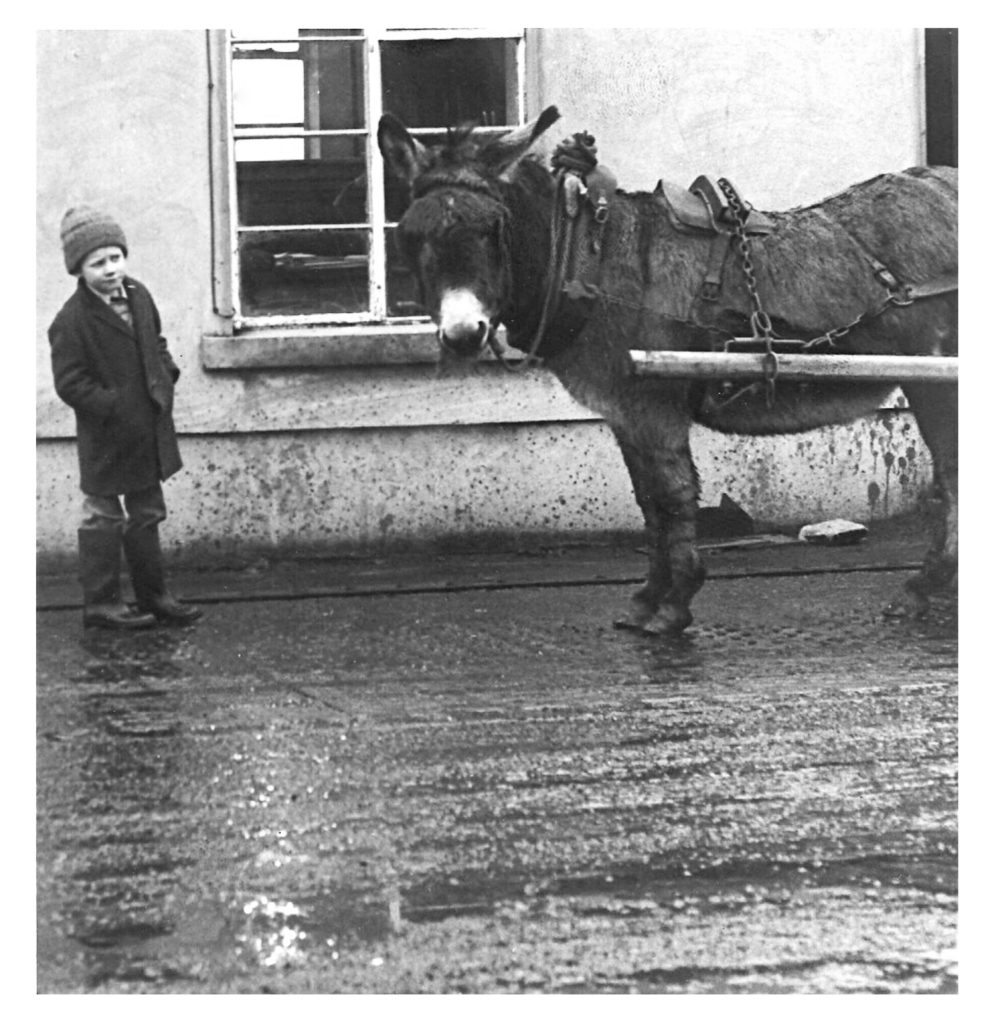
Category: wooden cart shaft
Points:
column 797, row 367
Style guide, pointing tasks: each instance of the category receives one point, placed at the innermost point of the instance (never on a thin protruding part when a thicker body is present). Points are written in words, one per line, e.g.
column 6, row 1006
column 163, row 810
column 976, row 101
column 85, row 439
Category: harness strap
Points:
column 713, row 281
column 582, row 194
column 904, row 294
column 561, row 244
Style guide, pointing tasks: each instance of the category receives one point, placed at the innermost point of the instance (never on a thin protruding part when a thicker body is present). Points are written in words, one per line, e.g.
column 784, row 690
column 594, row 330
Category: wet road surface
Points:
column 328, row 788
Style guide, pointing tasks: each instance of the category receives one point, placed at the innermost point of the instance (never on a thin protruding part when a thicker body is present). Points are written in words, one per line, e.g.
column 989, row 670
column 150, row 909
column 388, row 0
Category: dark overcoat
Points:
column 119, row 380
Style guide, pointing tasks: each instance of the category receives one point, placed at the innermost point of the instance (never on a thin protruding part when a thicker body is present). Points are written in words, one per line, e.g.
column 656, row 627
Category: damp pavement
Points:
column 432, row 774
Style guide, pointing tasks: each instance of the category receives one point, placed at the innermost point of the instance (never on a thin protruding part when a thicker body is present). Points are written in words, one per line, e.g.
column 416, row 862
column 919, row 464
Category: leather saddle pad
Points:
column 702, row 207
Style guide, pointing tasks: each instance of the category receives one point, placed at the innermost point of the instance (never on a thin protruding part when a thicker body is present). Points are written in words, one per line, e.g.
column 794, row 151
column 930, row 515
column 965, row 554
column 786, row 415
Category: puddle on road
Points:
column 278, row 933
column 131, row 657
column 259, row 932
column 671, row 661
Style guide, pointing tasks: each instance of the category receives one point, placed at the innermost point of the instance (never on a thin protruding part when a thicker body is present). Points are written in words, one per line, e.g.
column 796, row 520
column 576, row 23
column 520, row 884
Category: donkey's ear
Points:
column 404, row 155
column 502, row 154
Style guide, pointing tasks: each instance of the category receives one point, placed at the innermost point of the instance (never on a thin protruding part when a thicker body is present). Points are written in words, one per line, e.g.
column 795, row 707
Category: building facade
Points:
column 245, row 172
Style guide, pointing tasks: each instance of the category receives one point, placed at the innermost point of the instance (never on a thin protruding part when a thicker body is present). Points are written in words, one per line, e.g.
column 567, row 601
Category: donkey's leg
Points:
column 666, row 487
column 677, row 539
column 936, row 409
column 645, row 602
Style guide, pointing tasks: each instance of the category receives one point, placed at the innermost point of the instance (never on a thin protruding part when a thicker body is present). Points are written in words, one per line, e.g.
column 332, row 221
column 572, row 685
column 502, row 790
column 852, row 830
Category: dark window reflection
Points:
column 297, row 273
column 442, row 83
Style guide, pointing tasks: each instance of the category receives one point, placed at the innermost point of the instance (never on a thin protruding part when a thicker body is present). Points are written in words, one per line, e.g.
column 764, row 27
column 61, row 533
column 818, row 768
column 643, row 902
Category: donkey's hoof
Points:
column 667, row 621
column 636, row 616
column 634, row 623
column 907, row 604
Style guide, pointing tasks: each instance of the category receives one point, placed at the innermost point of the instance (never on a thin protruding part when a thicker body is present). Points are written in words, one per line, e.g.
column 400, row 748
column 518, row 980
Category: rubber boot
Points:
column 148, row 578
column 100, row 575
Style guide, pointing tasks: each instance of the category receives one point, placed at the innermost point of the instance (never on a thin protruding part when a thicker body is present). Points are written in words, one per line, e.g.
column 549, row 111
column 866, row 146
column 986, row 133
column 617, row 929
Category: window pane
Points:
column 402, row 292
column 269, row 149
column 334, row 85
column 443, row 83
column 294, row 273
column 313, row 85
column 268, row 92
column 313, row 191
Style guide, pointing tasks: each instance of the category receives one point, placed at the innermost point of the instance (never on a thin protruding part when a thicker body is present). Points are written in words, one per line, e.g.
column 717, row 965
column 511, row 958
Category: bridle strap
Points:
column 561, row 241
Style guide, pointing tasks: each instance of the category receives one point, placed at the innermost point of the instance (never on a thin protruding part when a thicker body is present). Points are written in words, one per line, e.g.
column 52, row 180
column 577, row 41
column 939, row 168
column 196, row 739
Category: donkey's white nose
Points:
column 463, row 320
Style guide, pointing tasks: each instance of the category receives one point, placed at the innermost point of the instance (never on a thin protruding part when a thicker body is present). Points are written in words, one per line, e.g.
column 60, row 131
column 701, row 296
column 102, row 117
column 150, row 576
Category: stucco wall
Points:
column 790, row 115
column 123, row 123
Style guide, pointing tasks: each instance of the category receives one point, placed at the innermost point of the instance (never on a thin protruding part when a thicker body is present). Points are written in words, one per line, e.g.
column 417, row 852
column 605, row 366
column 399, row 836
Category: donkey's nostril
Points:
column 467, row 341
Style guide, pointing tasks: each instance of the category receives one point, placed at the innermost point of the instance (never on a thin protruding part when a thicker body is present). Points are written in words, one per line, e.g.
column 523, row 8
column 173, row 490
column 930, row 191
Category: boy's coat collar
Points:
column 102, row 309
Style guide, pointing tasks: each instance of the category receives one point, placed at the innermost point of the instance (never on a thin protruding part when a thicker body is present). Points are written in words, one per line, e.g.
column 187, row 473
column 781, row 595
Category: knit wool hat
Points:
column 84, row 229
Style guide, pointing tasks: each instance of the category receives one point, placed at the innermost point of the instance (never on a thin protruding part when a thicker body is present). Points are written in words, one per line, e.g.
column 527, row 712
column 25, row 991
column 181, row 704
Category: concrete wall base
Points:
column 342, row 491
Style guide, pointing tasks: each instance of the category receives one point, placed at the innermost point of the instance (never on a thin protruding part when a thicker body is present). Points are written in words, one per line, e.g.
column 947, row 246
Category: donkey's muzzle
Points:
column 465, row 343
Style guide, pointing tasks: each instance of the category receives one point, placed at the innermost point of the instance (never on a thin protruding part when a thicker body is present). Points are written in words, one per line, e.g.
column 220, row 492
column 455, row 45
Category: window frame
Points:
column 940, row 101
column 228, row 231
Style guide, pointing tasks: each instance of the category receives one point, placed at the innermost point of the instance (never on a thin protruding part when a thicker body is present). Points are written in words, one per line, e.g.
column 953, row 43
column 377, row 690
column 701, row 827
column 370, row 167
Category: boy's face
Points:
column 104, row 269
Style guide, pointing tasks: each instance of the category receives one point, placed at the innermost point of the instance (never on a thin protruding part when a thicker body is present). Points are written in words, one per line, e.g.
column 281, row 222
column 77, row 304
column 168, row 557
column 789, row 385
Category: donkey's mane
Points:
column 459, row 164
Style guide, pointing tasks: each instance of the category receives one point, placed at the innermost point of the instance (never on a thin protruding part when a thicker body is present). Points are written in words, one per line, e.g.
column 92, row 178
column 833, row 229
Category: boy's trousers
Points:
column 141, row 509
column 106, row 529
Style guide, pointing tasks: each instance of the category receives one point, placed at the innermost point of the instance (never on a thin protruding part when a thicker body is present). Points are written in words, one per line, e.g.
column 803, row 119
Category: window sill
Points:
column 294, row 348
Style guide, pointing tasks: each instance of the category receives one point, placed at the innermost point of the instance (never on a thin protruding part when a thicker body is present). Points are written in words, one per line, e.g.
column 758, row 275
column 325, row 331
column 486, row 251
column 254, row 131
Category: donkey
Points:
column 857, row 272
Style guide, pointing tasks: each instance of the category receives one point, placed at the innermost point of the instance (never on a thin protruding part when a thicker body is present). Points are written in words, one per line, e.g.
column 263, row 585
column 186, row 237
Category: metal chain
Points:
column 831, row 337
column 760, row 322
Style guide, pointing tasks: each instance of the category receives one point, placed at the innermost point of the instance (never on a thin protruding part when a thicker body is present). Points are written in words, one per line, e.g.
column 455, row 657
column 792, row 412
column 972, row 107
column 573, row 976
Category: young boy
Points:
column 111, row 364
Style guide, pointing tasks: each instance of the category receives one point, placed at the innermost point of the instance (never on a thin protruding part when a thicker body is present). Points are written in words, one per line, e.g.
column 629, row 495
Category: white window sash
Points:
column 228, row 284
